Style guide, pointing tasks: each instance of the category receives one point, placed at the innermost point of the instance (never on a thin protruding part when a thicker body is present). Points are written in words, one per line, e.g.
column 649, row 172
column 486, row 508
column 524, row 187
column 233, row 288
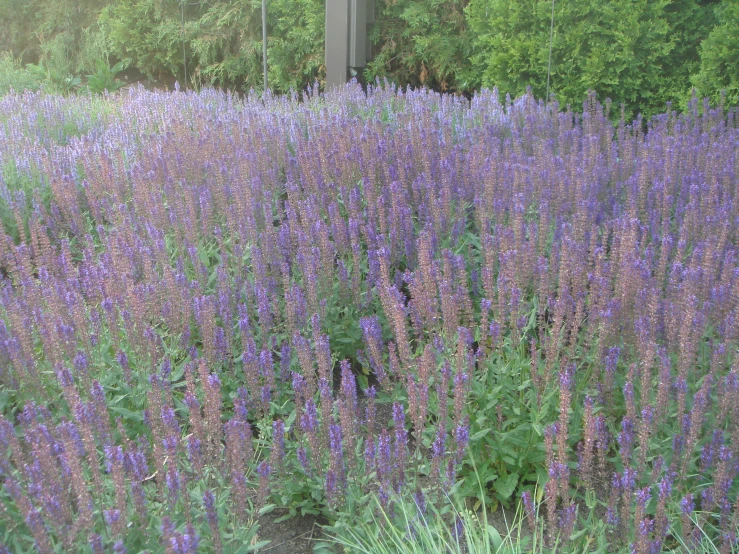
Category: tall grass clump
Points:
column 14, row 77
column 213, row 306
column 417, row 528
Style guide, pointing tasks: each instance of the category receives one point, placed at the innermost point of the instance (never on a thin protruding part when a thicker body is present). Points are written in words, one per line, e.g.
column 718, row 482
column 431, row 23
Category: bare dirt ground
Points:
column 297, row 535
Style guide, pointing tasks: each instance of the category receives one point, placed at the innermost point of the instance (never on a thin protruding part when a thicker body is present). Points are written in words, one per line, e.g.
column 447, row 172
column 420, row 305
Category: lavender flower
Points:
column 529, row 509
column 384, row 462
column 303, row 459
column 226, row 234
column 264, row 471
column 309, row 422
column 567, row 519
column 173, row 483
column 210, row 509
column 331, row 485
column 461, row 437
column 96, row 543
column 398, row 416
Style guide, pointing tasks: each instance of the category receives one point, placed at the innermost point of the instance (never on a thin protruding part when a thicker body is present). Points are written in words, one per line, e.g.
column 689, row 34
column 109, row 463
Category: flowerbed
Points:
column 212, row 306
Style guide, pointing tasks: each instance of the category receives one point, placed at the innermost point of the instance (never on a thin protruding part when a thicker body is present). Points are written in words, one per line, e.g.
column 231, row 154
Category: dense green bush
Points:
column 422, row 42
column 15, row 77
column 17, row 25
column 719, row 54
column 220, row 43
column 227, row 39
column 642, row 53
column 690, row 23
column 639, row 53
column 148, row 32
column 34, row 30
column 295, row 43
column 620, row 49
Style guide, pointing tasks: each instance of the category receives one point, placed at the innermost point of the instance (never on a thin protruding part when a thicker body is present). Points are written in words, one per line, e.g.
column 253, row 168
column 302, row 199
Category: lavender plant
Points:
column 211, row 306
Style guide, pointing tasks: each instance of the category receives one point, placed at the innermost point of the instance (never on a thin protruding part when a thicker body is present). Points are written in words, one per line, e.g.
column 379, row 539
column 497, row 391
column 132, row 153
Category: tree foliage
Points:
column 642, row 53
column 227, row 39
column 618, row 48
column 220, row 42
column 719, row 55
column 421, row 42
column 690, row 22
column 148, row 32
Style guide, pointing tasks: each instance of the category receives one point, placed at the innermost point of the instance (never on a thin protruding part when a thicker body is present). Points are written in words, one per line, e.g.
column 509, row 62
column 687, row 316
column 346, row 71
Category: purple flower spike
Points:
column 309, row 419
column 398, row 415
column 461, row 437
column 209, row 503
column 96, row 543
column 65, row 377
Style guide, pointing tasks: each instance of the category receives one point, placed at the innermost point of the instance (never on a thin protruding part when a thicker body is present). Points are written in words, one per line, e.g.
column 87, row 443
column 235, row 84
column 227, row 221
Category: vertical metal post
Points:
column 337, row 42
column 264, row 44
column 370, row 21
column 549, row 64
column 358, row 33
column 182, row 31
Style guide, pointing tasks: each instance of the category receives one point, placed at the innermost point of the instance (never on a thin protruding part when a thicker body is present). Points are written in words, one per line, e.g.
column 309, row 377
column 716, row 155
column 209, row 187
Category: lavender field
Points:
column 212, row 307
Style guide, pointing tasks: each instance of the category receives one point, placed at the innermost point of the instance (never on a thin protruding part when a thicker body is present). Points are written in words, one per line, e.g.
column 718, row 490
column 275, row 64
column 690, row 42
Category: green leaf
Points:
column 323, row 548
column 117, row 399
column 126, row 413
column 495, row 538
column 258, row 546
column 363, row 381
column 506, row 485
column 480, row 434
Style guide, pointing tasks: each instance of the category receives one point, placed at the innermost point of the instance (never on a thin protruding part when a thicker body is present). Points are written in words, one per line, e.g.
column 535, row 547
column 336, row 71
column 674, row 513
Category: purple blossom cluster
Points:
column 207, row 301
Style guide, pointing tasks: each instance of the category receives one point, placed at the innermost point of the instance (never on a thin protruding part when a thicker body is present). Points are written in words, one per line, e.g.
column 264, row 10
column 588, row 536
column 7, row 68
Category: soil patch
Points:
column 297, row 535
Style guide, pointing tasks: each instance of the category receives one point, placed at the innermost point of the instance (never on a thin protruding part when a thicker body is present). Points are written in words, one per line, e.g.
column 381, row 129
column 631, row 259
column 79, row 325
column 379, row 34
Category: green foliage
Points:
column 54, row 77
column 17, row 17
column 13, row 76
column 94, row 46
column 690, row 23
column 55, row 68
column 228, row 44
column 506, row 435
column 104, row 79
column 148, row 32
column 420, row 42
column 451, row 528
column 295, row 43
column 719, row 55
column 30, row 26
column 619, row 49
column 227, row 40
column 642, row 53
column 222, row 40
column 64, row 43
